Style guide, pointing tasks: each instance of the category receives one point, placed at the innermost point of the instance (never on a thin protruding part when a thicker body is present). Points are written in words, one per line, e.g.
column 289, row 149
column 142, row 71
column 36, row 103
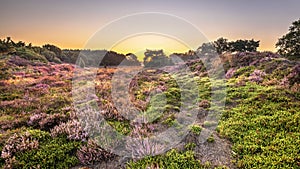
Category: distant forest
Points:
column 288, row 46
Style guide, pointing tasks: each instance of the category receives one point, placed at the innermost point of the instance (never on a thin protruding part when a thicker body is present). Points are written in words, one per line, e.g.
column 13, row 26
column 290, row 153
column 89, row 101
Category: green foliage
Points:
column 196, row 129
column 190, row 146
column 169, row 121
column 122, row 127
column 243, row 46
column 156, row 58
column 210, row 139
column 4, row 69
column 246, row 71
column 28, row 54
column 289, row 44
column 260, row 120
column 222, row 45
column 50, row 56
column 171, row 160
column 10, row 95
column 52, row 153
column 263, row 127
column 207, row 49
column 56, row 50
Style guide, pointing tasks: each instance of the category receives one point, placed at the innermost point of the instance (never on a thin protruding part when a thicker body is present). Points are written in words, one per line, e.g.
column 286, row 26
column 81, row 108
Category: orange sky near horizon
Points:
column 76, row 40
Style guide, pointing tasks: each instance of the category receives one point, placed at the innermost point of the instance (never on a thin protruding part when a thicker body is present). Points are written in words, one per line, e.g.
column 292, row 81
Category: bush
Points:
column 29, row 54
column 72, row 129
column 91, row 153
column 56, row 153
column 18, row 143
column 45, row 121
column 172, row 159
column 257, row 76
column 196, row 129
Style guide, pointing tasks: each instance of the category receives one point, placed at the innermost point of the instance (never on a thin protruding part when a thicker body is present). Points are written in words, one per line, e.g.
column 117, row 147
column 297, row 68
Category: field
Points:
column 256, row 106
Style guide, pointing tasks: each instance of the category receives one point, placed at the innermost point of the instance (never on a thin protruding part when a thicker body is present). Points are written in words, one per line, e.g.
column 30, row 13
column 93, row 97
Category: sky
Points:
column 73, row 24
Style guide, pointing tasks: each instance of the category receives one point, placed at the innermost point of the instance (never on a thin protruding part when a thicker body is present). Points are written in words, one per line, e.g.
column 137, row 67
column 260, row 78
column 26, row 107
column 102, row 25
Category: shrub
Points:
column 204, row 104
column 230, row 73
column 257, row 76
column 52, row 120
column 35, row 119
column 91, row 153
column 53, row 153
column 210, row 139
column 172, row 159
column 45, row 121
column 72, row 129
column 141, row 143
column 196, row 129
column 18, row 143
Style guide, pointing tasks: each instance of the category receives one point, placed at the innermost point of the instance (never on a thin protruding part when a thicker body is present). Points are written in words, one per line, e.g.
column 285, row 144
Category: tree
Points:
column 156, row 58
column 8, row 39
column 244, row 45
column 53, row 48
column 221, row 45
column 20, row 44
column 289, row 45
column 207, row 49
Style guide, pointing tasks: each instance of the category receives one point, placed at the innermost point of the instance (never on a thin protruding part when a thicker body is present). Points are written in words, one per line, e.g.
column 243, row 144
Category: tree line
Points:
column 288, row 45
column 52, row 53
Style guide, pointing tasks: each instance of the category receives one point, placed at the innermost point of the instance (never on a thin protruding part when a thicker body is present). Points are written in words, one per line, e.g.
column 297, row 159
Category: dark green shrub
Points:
column 56, row 153
column 172, row 159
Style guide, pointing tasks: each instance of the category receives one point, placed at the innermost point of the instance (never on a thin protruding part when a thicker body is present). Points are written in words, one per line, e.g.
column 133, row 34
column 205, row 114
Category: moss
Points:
column 211, row 139
column 52, row 153
column 122, row 127
column 172, row 159
column 244, row 71
column 263, row 126
column 190, row 146
column 196, row 129
column 169, row 120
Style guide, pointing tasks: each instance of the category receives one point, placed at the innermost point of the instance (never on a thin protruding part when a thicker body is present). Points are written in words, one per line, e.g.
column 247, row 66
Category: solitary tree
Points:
column 289, row 45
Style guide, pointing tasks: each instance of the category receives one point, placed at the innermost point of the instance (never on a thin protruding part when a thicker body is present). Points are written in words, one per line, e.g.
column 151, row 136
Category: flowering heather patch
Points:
column 144, row 147
column 91, row 153
column 38, row 95
column 257, row 76
column 18, row 61
column 42, row 86
column 230, row 73
column 36, row 118
column 45, row 121
column 294, row 76
column 72, row 129
column 18, row 143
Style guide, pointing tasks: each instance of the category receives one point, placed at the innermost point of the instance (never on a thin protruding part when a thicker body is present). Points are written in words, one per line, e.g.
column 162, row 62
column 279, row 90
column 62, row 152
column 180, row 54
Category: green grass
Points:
column 263, row 127
column 51, row 153
column 171, row 160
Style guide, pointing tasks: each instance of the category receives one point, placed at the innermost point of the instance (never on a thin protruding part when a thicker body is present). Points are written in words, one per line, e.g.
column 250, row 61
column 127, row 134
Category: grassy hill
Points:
column 259, row 126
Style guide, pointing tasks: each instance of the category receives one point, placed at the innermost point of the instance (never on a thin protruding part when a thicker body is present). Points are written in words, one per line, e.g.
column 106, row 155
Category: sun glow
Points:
column 139, row 43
